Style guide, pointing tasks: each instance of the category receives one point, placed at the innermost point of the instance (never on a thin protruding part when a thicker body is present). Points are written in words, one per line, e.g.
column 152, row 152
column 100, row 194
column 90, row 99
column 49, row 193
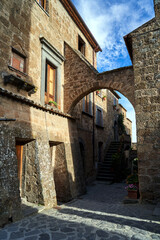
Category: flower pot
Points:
column 133, row 194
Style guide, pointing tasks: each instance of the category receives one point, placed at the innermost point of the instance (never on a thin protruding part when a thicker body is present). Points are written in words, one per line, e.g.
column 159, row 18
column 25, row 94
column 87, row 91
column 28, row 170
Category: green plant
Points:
column 121, row 126
column 54, row 103
column 132, row 179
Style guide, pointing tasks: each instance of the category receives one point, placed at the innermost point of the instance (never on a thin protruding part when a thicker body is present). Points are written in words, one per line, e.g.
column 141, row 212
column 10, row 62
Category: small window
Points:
column 115, row 102
column 81, row 45
column 42, row 3
column 99, row 117
column 87, row 104
column 18, row 61
column 50, row 83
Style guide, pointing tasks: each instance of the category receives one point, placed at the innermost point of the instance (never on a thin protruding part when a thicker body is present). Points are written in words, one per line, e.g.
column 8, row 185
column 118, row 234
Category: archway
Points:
column 81, row 78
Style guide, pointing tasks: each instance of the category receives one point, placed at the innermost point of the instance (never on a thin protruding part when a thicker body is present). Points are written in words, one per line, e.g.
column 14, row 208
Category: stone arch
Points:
column 81, row 78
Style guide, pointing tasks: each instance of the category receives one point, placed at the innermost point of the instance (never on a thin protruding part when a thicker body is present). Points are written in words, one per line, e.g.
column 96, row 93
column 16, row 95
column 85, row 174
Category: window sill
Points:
column 17, row 71
column 20, row 83
column 42, row 9
column 87, row 114
column 99, row 126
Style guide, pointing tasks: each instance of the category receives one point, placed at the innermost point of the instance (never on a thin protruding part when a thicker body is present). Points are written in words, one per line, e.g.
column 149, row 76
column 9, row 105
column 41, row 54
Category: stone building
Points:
column 96, row 116
column 127, row 121
column 43, row 138
column 48, row 57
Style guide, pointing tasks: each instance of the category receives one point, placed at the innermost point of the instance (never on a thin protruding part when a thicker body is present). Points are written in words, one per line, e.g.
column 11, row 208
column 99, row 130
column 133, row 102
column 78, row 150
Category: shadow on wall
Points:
column 15, row 27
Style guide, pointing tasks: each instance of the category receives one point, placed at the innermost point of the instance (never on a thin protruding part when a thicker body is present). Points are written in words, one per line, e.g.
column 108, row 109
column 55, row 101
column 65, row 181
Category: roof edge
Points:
column 74, row 14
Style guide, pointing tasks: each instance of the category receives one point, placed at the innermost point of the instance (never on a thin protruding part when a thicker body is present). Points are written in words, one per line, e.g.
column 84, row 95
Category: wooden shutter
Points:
column 18, row 62
column 51, row 83
column 90, row 103
column 19, row 152
column 87, row 103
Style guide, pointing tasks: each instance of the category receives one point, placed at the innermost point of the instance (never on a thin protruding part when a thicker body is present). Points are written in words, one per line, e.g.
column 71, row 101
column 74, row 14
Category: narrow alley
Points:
column 98, row 215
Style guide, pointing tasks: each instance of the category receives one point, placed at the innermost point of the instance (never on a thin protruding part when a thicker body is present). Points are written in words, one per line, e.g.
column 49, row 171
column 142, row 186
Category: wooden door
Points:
column 19, row 152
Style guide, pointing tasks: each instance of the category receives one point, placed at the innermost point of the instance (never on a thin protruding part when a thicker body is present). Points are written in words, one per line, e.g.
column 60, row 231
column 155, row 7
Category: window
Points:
column 18, row 61
column 99, row 116
column 114, row 102
column 81, row 45
column 50, row 83
column 42, row 3
column 87, row 104
column 51, row 73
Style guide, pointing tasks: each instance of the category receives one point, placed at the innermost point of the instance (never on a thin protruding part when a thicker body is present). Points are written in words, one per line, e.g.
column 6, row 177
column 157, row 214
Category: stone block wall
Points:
column 146, row 62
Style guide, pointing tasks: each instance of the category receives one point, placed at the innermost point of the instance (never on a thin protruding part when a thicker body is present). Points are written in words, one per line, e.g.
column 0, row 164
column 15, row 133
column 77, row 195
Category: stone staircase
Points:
column 104, row 172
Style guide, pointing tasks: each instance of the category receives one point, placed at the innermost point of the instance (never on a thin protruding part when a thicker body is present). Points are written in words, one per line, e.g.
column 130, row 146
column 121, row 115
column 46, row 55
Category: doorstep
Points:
column 29, row 209
column 130, row 201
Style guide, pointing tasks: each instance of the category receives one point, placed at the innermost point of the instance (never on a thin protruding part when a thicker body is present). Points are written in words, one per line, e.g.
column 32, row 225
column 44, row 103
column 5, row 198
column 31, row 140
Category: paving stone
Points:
column 110, row 221
column 66, row 229
column 33, row 232
column 155, row 237
column 101, row 233
column 3, row 235
column 16, row 235
column 115, row 238
column 31, row 238
column 44, row 236
column 58, row 236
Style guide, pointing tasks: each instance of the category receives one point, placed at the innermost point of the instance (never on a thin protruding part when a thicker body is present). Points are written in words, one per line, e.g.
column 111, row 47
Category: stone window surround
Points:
column 97, row 121
column 49, row 53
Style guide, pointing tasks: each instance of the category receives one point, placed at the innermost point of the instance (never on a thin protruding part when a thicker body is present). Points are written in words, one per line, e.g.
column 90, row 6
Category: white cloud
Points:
column 109, row 21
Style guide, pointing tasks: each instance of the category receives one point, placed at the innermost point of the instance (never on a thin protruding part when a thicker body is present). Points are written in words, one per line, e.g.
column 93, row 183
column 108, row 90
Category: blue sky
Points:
column 109, row 21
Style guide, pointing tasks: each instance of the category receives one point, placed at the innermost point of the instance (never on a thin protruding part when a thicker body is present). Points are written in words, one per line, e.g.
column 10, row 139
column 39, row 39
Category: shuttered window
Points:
column 50, row 84
column 87, row 104
column 18, row 61
column 99, row 116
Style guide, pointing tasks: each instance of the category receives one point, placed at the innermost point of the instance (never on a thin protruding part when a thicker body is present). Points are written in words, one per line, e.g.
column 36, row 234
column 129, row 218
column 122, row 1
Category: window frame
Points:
column 81, row 41
column 88, row 101
column 21, row 55
column 44, row 7
column 99, row 123
column 48, row 96
column 44, row 4
column 53, row 56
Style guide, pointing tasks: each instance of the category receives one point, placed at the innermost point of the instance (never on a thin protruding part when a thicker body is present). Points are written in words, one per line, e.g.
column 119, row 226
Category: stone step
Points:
column 105, row 178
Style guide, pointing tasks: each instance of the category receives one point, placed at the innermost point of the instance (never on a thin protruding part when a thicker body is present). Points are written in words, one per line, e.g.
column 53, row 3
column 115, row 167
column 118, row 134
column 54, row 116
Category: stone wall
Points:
column 33, row 129
column 92, row 153
column 146, row 62
column 80, row 78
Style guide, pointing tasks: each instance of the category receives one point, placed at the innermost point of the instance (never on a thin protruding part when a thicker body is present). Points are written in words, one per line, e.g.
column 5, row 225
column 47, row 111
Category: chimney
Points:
column 157, row 8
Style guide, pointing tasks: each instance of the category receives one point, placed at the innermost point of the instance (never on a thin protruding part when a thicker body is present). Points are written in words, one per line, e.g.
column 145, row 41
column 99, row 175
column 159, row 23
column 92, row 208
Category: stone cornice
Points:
column 31, row 103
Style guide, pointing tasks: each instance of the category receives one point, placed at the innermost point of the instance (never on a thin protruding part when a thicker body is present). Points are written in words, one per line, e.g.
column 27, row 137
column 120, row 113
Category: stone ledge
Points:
column 31, row 103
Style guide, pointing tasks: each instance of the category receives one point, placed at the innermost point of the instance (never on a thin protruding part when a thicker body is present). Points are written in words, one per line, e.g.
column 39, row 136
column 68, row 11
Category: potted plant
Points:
column 98, row 92
column 103, row 98
column 132, row 191
column 52, row 103
column 133, row 179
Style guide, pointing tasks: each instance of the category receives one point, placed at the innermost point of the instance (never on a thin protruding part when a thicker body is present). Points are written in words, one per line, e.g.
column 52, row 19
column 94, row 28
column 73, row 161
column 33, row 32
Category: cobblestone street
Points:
column 98, row 215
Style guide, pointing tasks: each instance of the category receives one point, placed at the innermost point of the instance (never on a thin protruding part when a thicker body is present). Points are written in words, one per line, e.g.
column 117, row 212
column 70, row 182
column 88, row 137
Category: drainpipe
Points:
column 93, row 131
